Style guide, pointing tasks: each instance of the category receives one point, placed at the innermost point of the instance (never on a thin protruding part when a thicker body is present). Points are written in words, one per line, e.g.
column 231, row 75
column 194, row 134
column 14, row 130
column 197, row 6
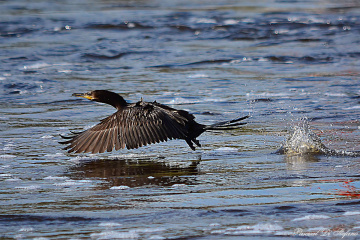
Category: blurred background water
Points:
column 279, row 61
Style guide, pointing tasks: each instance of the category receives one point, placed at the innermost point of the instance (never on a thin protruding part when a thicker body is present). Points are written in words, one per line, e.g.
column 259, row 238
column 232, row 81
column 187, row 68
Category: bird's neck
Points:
column 116, row 101
column 120, row 103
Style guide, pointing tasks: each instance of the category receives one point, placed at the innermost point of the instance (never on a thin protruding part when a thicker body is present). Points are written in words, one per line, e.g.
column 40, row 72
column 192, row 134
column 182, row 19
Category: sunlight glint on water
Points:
column 279, row 61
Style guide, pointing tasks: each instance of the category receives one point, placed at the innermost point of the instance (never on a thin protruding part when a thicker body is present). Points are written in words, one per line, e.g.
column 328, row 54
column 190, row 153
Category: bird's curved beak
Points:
column 83, row 95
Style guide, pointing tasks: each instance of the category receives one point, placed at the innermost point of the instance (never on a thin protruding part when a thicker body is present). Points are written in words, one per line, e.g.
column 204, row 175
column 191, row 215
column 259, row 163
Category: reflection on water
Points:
column 278, row 61
column 300, row 162
column 134, row 173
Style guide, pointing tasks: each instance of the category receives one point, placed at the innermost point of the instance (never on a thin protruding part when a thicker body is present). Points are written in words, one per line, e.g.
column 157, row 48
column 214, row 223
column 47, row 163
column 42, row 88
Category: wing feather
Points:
column 105, row 126
column 160, row 131
column 104, row 142
column 112, row 139
column 111, row 135
column 92, row 141
column 83, row 141
column 171, row 130
column 144, row 132
column 117, row 138
column 121, row 131
column 128, row 135
column 78, row 142
column 99, row 140
column 137, row 137
column 153, row 131
column 134, row 126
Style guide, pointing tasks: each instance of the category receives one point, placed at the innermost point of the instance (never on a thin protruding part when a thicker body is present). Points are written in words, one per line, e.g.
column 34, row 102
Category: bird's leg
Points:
column 188, row 141
column 196, row 142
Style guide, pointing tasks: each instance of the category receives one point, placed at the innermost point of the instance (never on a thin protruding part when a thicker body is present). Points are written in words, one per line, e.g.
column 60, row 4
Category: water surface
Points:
column 279, row 61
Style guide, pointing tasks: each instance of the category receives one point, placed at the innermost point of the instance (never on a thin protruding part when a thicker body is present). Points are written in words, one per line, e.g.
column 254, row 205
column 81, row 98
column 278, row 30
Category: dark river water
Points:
column 288, row 64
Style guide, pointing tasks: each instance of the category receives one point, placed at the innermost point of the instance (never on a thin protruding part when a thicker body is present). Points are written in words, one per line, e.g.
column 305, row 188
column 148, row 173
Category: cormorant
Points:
column 134, row 125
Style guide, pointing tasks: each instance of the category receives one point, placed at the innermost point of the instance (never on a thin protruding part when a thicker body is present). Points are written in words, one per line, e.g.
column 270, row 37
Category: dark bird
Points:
column 134, row 125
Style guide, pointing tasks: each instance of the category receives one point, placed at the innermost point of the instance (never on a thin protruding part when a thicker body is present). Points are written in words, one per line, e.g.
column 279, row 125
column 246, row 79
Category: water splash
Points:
column 302, row 141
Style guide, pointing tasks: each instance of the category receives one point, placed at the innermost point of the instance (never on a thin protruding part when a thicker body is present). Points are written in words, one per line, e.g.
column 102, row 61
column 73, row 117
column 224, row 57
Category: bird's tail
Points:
column 227, row 125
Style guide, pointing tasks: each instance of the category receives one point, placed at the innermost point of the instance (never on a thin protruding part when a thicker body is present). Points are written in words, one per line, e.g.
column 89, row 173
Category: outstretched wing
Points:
column 132, row 127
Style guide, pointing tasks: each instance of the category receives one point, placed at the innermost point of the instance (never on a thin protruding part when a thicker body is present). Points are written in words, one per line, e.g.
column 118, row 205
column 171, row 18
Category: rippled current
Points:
column 282, row 62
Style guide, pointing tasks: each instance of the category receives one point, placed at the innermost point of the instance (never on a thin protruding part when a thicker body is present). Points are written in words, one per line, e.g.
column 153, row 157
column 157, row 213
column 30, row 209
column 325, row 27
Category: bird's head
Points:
column 96, row 95
column 104, row 96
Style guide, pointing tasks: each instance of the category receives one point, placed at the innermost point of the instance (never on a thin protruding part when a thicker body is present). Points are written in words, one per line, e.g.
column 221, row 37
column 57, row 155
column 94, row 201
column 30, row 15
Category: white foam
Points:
column 130, row 155
column 55, row 178
column 336, row 94
column 284, row 233
column 353, row 107
column 28, row 188
column 13, row 180
column 157, row 237
column 178, row 185
column 267, row 94
column 198, row 75
column 262, row 59
column 114, row 235
column 65, row 71
column 259, row 228
column 4, row 166
column 204, row 20
column 120, row 187
column 47, row 136
column 26, row 229
column 9, row 146
column 180, row 100
column 36, row 66
column 219, row 231
column 214, row 224
column 351, row 213
column 226, row 149
column 7, row 156
column 78, row 159
column 311, row 217
column 213, row 99
column 151, row 177
column 54, row 155
column 23, row 92
column 231, row 22
column 110, row 224
column 147, row 230
column 85, row 181
column 5, row 175
column 281, row 31
column 73, row 183
column 267, row 227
